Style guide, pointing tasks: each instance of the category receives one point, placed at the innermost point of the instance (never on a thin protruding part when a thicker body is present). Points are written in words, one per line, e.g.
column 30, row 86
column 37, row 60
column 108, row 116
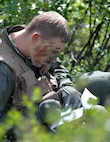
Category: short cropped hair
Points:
column 50, row 25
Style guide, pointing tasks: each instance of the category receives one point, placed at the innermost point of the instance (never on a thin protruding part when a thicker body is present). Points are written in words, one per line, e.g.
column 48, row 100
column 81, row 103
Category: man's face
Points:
column 46, row 53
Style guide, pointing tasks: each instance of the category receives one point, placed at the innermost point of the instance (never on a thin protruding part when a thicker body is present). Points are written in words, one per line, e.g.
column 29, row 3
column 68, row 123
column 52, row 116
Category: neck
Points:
column 21, row 41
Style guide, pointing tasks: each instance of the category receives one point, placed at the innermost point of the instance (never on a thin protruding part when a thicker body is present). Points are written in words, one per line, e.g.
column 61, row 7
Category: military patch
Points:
column 3, row 81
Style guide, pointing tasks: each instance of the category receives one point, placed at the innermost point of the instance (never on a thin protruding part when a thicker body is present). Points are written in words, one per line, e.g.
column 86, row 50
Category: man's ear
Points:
column 35, row 37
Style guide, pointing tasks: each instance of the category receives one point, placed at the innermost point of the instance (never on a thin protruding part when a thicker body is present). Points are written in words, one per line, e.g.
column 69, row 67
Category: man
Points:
column 26, row 55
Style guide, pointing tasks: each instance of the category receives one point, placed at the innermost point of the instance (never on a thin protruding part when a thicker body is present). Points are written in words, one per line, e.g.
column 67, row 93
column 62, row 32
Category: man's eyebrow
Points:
column 58, row 48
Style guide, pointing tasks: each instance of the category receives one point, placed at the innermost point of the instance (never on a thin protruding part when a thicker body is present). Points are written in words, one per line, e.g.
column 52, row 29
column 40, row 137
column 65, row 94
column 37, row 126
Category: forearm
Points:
column 65, row 83
column 61, row 74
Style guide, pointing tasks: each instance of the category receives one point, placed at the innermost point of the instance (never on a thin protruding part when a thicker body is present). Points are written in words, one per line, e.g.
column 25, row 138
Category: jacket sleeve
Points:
column 65, row 82
column 61, row 74
column 6, row 88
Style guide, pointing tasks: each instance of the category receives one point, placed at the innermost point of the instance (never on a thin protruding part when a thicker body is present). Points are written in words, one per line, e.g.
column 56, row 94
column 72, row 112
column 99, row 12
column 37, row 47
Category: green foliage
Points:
column 93, row 126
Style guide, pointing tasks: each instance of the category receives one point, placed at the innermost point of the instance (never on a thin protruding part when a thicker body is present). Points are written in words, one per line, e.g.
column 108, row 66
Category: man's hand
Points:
column 53, row 95
column 70, row 97
column 44, row 85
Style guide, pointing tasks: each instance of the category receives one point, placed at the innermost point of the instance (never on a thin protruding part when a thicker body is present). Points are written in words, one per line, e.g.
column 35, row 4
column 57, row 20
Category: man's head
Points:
column 50, row 33
column 50, row 25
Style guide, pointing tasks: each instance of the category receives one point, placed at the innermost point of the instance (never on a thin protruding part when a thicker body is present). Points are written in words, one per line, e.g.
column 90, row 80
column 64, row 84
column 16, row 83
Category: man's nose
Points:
column 52, row 59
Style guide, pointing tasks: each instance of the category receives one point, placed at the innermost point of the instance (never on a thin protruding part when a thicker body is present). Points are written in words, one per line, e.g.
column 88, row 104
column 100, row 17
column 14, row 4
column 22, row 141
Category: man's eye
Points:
column 55, row 52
